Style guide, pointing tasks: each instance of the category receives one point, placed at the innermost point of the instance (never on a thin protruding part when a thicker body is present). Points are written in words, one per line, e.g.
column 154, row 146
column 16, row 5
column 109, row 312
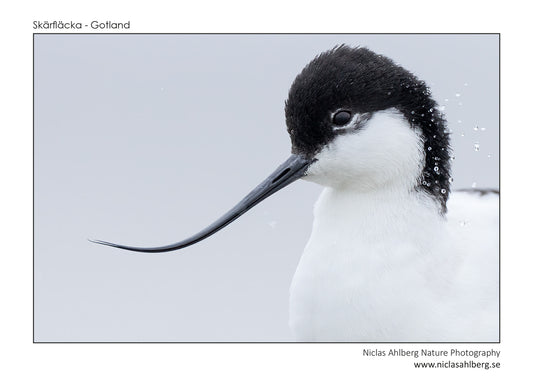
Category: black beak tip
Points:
column 96, row 241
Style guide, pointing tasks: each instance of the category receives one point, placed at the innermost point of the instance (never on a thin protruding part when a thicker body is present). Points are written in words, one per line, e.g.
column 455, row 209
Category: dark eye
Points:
column 341, row 118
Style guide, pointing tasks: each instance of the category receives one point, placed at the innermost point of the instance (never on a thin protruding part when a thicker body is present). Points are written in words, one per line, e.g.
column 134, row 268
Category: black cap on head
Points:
column 363, row 82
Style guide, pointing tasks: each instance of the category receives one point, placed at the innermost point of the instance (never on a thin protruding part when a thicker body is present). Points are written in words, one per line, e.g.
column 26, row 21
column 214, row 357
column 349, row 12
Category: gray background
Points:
column 145, row 139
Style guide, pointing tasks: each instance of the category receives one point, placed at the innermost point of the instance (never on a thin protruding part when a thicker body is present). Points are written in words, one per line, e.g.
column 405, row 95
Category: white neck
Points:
column 384, row 215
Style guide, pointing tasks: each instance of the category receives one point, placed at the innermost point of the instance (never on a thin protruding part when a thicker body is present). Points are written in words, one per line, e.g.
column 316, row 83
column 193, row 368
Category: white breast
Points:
column 382, row 266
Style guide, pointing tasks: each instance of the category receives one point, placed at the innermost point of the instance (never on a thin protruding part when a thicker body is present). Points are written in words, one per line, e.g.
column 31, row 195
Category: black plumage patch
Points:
column 479, row 191
column 361, row 81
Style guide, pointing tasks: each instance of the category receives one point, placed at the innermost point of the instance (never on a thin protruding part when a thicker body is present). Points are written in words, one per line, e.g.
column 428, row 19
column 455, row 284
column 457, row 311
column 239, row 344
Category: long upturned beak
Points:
column 289, row 171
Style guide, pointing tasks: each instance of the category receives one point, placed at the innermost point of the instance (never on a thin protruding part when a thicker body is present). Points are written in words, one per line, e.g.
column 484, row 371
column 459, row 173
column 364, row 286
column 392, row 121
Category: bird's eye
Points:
column 341, row 118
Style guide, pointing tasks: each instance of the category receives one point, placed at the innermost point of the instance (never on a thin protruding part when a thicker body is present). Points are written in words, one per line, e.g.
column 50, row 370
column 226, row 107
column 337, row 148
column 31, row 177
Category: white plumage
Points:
column 382, row 263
